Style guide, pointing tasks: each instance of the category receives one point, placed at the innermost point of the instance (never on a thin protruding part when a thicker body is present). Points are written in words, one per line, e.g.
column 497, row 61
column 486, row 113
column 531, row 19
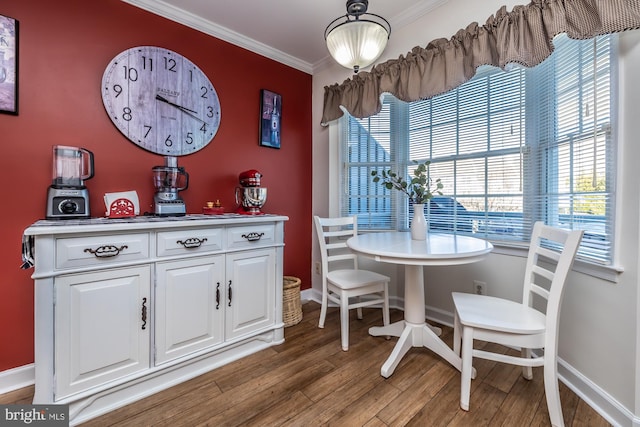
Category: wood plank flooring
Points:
column 310, row 381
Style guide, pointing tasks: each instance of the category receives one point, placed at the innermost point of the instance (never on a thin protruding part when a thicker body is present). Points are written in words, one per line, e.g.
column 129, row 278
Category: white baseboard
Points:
column 603, row 403
column 13, row 379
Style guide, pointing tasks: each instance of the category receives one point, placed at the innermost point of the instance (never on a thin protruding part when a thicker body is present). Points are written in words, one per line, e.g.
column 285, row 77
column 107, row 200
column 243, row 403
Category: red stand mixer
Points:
column 250, row 197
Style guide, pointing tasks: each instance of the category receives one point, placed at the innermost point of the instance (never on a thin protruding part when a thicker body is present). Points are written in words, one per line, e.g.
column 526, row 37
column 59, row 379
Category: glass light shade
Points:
column 357, row 44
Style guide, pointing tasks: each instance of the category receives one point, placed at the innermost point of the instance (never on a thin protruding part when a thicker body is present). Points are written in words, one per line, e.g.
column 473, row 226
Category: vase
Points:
column 418, row 223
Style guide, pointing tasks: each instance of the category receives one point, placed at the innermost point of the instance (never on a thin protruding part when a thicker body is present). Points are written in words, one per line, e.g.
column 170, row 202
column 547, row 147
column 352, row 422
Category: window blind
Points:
column 511, row 148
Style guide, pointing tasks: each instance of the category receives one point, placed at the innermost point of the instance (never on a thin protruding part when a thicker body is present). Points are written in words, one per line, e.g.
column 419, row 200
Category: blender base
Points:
column 170, row 209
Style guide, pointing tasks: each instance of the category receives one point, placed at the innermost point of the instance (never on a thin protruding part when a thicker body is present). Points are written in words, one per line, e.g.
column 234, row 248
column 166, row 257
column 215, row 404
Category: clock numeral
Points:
column 130, row 73
column 210, row 111
column 168, row 142
column 189, row 139
column 204, row 92
column 203, row 128
column 190, row 76
column 117, row 89
column 170, row 64
column 126, row 114
column 148, row 128
column 144, row 63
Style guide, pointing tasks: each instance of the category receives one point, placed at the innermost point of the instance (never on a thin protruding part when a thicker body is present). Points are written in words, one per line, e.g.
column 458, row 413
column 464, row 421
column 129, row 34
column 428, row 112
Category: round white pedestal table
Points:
column 439, row 249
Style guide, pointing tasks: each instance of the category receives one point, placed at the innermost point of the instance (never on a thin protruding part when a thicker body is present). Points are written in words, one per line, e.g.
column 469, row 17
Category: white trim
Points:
column 597, row 398
column 16, row 378
column 603, row 403
column 609, row 273
column 181, row 16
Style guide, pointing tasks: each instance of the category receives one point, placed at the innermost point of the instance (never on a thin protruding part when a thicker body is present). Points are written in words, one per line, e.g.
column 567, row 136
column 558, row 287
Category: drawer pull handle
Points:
column 106, row 251
column 253, row 236
column 218, row 296
column 192, row 242
column 229, row 293
column 144, row 313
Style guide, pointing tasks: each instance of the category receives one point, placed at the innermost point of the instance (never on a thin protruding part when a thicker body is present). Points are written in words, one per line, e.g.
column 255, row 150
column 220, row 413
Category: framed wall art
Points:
column 8, row 65
column 270, row 118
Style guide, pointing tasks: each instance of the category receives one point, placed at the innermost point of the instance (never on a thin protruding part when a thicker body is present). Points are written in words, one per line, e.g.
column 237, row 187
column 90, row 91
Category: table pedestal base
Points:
column 413, row 335
column 414, row 331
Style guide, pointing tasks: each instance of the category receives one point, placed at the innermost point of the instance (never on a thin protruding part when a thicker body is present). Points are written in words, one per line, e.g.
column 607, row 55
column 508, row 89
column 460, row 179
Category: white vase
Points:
column 418, row 223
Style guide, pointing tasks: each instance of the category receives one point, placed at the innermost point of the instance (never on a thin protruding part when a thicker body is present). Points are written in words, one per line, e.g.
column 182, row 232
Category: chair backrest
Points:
column 332, row 236
column 551, row 255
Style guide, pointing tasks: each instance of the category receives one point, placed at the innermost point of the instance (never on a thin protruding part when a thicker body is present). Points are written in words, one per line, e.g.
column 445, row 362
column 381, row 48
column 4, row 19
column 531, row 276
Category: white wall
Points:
column 599, row 322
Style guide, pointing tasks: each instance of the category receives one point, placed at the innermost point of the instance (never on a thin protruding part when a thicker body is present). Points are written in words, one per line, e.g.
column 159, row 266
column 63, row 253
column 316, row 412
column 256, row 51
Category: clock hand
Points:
column 181, row 108
column 163, row 99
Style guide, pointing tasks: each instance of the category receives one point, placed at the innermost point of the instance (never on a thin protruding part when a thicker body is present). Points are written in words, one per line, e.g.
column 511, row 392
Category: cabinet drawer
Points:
column 251, row 236
column 187, row 241
column 97, row 250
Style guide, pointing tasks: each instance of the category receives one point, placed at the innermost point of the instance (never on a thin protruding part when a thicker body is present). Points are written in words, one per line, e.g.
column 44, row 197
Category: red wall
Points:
column 64, row 47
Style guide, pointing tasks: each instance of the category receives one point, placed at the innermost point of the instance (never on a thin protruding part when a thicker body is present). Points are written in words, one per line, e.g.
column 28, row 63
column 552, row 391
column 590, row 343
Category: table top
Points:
column 437, row 249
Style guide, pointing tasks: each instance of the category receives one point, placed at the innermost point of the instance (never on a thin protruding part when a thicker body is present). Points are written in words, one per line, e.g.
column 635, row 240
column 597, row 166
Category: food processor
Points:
column 250, row 197
column 67, row 197
column 168, row 180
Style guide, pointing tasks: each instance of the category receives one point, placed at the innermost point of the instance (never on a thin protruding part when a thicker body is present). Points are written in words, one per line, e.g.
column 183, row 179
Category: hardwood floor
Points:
column 310, row 381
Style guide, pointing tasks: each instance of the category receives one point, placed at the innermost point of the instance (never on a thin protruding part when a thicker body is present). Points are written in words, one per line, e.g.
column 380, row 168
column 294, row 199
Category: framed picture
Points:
column 270, row 118
column 8, row 65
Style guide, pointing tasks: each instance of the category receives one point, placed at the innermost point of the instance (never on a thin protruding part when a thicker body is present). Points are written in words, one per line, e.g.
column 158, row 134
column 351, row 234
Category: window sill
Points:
column 608, row 273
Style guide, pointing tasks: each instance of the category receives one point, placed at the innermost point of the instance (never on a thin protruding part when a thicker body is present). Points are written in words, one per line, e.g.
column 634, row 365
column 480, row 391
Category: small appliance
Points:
column 250, row 197
column 67, row 197
column 168, row 180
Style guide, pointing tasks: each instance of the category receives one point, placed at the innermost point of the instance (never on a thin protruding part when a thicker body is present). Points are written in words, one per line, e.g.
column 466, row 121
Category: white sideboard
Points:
column 125, row 308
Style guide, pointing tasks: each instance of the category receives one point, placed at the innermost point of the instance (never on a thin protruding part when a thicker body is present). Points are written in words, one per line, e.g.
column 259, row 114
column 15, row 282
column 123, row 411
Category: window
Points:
column 511, row 147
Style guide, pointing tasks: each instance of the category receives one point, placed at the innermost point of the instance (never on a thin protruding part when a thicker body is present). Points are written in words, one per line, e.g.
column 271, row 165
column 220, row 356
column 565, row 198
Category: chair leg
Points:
column 467, row 368
column 359, row 309
column 385, row 307
column 323, row 310
column 457, row 332
column 344, row 322
column 527, row 371
column 552, row 391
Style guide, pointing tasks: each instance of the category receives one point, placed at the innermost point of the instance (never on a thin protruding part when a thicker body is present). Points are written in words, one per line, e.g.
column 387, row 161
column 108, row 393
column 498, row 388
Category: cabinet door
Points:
column 251, row 291
column 189, row 302
column 101, row 327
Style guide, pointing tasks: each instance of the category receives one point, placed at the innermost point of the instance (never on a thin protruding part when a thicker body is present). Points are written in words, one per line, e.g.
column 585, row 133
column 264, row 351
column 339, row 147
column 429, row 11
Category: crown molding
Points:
column 415, row 12
column 175, row 14
column 160, row 8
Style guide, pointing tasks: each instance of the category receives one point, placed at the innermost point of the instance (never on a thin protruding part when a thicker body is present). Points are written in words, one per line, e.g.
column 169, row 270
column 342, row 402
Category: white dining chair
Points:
column 521, row 325
column 345, row 284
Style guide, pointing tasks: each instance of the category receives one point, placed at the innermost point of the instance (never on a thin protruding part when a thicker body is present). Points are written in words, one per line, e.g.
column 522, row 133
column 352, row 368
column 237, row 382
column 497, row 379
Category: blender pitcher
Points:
column 71, row 166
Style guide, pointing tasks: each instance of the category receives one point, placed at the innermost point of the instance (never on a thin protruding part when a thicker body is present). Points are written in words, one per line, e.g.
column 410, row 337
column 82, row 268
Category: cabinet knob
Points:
column 253, row 236
column 144, row 313
column 106, row 251
column 218, row 296
column 191, row 242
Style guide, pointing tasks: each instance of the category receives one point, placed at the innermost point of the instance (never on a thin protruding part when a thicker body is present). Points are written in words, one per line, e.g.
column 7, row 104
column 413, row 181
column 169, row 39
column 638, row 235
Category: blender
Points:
column 250, row 197
column 68, row 198
column 168, row 180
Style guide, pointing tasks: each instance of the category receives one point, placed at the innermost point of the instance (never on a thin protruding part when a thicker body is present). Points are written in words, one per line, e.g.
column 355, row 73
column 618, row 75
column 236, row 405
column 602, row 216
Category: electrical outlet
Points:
column 479, row 288
column 318, row 271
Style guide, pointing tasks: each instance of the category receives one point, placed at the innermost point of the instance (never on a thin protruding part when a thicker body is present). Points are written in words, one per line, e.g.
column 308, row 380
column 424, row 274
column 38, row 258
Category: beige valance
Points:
column 522, row 36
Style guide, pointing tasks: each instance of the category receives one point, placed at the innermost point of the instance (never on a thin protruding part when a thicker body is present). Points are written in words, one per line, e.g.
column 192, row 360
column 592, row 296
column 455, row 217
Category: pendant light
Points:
column 358, row 38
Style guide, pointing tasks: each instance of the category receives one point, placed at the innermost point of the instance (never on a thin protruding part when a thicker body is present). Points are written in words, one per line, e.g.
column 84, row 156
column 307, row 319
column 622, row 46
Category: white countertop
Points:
column 64, row 226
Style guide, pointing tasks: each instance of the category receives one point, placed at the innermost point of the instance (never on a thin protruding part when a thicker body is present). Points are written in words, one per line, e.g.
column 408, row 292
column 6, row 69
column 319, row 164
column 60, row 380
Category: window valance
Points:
column 523, row 36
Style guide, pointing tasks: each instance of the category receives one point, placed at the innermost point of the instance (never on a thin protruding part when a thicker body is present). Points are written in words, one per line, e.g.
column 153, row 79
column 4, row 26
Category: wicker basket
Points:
column 291, row 306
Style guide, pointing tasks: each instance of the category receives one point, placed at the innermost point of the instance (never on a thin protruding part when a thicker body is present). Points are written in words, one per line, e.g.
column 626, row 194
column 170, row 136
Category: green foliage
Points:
column 589, row 203
column 418, row 189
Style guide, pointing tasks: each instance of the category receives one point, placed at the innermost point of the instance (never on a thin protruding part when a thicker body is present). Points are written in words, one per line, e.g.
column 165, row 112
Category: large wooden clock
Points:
column 161, row 101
